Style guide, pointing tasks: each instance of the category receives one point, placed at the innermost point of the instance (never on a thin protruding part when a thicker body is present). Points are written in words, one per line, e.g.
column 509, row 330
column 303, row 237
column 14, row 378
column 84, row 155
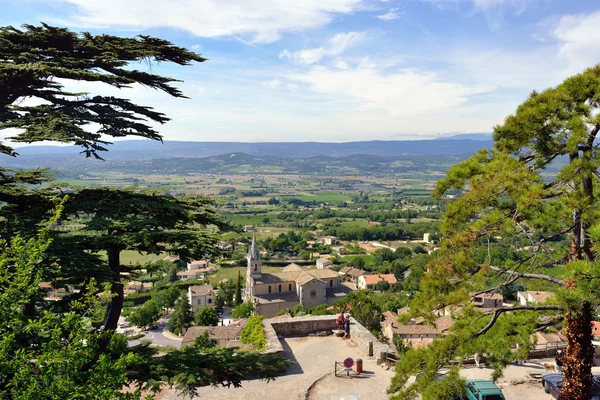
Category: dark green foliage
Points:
column 32, row 59
column 298, row 310
column 182, row 316
column 204, row 341
column 238, row 290
column 322, row 309
column 244, row 310
column 363, row 309
column 382, row 285
column 166, row 298
column 254, row 333
column 206, row 316
column 145, row 315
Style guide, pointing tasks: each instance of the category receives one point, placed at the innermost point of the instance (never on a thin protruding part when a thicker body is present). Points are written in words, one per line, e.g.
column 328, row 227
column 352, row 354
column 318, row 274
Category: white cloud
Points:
column 196, row 47
column 390, row 15
column 335, row 47
column 401, row 92
column 578, row 37
column 272, row 84
column 262, row 20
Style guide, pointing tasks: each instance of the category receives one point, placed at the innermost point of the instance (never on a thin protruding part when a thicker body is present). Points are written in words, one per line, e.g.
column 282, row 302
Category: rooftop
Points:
column 200, row 290
column 373, row 279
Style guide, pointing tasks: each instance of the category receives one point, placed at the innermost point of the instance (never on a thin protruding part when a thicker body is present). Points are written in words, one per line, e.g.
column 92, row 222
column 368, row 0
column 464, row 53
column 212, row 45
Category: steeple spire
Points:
column 254, row 252
column 254, row 261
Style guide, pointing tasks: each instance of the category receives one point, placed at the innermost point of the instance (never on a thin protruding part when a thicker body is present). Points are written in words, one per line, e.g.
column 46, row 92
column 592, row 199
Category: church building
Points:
column 272, row 293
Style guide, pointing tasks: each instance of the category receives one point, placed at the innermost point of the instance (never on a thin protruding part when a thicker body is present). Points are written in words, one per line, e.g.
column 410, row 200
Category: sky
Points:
column 340, row 70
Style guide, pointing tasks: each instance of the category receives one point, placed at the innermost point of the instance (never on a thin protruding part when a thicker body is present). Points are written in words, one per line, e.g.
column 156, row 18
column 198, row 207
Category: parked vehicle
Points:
column 553, row 382
column 478, row 389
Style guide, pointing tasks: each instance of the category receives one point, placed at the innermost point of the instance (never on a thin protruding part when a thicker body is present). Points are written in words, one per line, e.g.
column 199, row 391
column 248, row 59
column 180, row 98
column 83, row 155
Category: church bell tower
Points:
column 254, row 260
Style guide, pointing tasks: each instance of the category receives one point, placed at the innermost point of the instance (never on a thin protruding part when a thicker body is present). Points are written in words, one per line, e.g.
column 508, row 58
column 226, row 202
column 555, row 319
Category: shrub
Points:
column 254, row 333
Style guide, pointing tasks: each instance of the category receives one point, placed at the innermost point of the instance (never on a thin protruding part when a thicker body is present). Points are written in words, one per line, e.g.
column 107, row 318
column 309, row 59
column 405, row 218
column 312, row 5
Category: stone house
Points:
column 533, row 297
column 416, row 332
column 191, row 274
column 224, row 336
column 351, row 274
column 139, row 287
column 323, row 263
column 488, row 300
column 201, row 296
column 370, row 281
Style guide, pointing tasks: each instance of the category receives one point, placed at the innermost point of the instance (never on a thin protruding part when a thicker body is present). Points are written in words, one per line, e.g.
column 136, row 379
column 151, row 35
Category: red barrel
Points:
column 358, row 363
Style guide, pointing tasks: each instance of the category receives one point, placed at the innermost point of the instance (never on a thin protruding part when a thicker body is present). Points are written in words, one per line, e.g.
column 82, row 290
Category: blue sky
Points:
column 341, row 70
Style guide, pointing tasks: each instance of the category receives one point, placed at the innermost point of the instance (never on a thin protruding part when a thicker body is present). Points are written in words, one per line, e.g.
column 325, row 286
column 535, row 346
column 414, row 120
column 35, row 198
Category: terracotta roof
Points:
column 444, row 323
column 402, row 329
column 540, row 297
column 373, row 279
column 344, row 270
column 198, row 263
column 390, row 316
column 325, row 261
column 45, row 285
column 200, row 290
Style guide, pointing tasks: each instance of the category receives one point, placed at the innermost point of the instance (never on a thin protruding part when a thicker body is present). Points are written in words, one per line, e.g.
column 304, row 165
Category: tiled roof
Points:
column 356, row 272
column 373, row 279
column 305, row 277
column 277, row 297
column 201, row 290
column 415, row 329
column 229, row 332
column 292, row 268
column 197, row 263
column 323, row 273
column 345, row 270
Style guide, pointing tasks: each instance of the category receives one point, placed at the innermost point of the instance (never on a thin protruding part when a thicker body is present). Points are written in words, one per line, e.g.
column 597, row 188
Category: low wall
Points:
column 302, row 326
column 366, row 342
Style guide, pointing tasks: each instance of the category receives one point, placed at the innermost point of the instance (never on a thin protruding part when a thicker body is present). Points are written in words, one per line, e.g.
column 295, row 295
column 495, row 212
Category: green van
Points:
column 479, row 389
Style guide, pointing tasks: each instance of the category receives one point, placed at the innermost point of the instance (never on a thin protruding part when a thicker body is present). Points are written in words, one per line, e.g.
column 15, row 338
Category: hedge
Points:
column 254, row 333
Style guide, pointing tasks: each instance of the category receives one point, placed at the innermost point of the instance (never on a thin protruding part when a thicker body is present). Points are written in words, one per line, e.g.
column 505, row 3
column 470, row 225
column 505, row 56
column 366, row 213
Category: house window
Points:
column 255, row 267
column 279, row 288
column 269, row 288
column 199, row 301
column 209, row 301
column 330, row 283
column 290, row 287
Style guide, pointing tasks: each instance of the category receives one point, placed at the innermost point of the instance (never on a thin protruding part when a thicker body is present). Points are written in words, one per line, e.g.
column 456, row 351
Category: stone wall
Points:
column 366, row 342
column 301, row 326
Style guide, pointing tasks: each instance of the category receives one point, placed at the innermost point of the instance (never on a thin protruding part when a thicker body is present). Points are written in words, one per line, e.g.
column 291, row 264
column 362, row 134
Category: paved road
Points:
column 156, row 336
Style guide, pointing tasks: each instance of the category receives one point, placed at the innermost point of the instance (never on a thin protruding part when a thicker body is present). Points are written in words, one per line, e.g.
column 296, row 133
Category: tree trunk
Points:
column 579, row 357
column 115, row 307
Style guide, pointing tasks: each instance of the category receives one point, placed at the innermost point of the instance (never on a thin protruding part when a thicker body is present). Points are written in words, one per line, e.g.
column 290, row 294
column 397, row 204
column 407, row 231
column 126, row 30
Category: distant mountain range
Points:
column 132, row 150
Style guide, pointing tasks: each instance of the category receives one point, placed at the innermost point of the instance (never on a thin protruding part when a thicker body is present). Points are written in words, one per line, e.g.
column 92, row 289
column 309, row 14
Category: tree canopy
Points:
column 534, row 190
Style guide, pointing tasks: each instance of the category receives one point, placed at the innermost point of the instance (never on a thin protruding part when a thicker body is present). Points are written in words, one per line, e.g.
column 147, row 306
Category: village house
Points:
column 274, row 292
column 224, row 336
column 138, row 287
column 201, row 296
column 487, row 300
column 370, row 281
column 248, row 228
column 197, row 264
column 171, row 258
column 545, row 340
column 330, row 240
column 191, row 274
column 323, row 263
column 416, row 332
column 351, row 274
column 533, row 297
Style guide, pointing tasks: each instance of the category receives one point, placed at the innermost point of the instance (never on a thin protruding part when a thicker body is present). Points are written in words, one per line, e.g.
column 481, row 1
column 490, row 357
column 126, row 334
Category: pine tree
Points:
column 537, row 186
column 238, row 290
column 182, row 316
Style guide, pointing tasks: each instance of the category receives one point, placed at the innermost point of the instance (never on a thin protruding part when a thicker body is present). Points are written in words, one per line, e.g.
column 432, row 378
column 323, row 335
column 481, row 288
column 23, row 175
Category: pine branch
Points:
column 498, row 311
column 528, row 275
